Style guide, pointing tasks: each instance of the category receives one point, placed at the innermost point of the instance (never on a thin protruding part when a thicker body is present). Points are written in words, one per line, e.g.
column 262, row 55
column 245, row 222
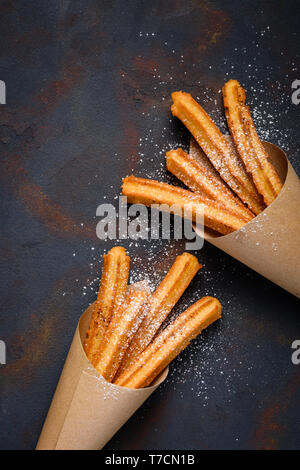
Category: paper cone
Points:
column 269, row 244
column 86, row 410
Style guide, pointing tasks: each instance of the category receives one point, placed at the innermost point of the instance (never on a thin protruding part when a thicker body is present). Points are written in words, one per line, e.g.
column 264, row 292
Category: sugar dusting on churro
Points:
column 113, row 326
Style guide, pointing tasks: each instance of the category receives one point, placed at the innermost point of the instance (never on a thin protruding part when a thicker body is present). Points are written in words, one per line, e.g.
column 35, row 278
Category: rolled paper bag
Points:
column 269, row 244
column 86, row 410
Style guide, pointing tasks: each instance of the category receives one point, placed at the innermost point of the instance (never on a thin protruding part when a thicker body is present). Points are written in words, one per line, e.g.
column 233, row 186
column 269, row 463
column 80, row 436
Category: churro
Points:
column 249, row 146
column 200, row 180
column 180, row 201
column 111, row 293
column 161, row 303
column 217, row 149
column 119, row 333
column 170, row 342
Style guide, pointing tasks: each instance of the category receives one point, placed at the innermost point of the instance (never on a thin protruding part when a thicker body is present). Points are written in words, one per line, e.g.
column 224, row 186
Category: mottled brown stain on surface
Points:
column 215, row 27
column 51, row 214
column 39, row 205
column 145, row 64
column 29, row 349
column 57, row 89
column 272, row 423
column 127, row 105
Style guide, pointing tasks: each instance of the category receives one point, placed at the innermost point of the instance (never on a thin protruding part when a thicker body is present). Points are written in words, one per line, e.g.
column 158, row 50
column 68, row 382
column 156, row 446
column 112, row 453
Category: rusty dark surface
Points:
column 86, row 80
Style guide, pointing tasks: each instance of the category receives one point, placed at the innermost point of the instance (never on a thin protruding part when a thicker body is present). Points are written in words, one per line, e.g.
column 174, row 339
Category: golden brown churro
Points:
column 178, row 200
column 119, row 333
column 248, row 144
column 217, row 149
column 161, row 303
column 170, row 342
column 111, row 293
column 200, row 180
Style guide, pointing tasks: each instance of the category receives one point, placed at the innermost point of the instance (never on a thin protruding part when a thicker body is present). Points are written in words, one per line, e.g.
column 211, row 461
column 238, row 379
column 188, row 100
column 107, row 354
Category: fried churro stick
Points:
column 161, row 303
column 249, row 146
column 120, row 332
column 170, row 342
column 111, row 293
column 200, row 180
column 217, row 149
column 180, row 201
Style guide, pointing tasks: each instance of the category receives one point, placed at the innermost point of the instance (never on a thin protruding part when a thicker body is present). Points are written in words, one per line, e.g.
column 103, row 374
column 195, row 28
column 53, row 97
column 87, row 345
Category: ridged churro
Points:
column 248, row 144
column 217, row 149
column 180, row 201
column 170, row 342
column 161, row 303
column 200, row 180
column 111, row 293
column 119, row 333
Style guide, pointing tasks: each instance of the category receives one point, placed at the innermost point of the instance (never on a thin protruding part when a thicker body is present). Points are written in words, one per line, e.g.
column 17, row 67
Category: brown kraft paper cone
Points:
column 86, row 410
column 269, row 244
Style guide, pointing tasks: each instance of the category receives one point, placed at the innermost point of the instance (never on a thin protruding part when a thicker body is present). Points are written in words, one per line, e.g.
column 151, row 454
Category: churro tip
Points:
column 118, row 250
column 171, row 152
column 174, row 94
column 191, row 257
column 231, row 81
column 217, row 303
column 127, row 178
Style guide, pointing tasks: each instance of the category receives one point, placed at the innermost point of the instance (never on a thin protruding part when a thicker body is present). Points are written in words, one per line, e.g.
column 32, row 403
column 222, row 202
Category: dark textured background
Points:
column 88, row 98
